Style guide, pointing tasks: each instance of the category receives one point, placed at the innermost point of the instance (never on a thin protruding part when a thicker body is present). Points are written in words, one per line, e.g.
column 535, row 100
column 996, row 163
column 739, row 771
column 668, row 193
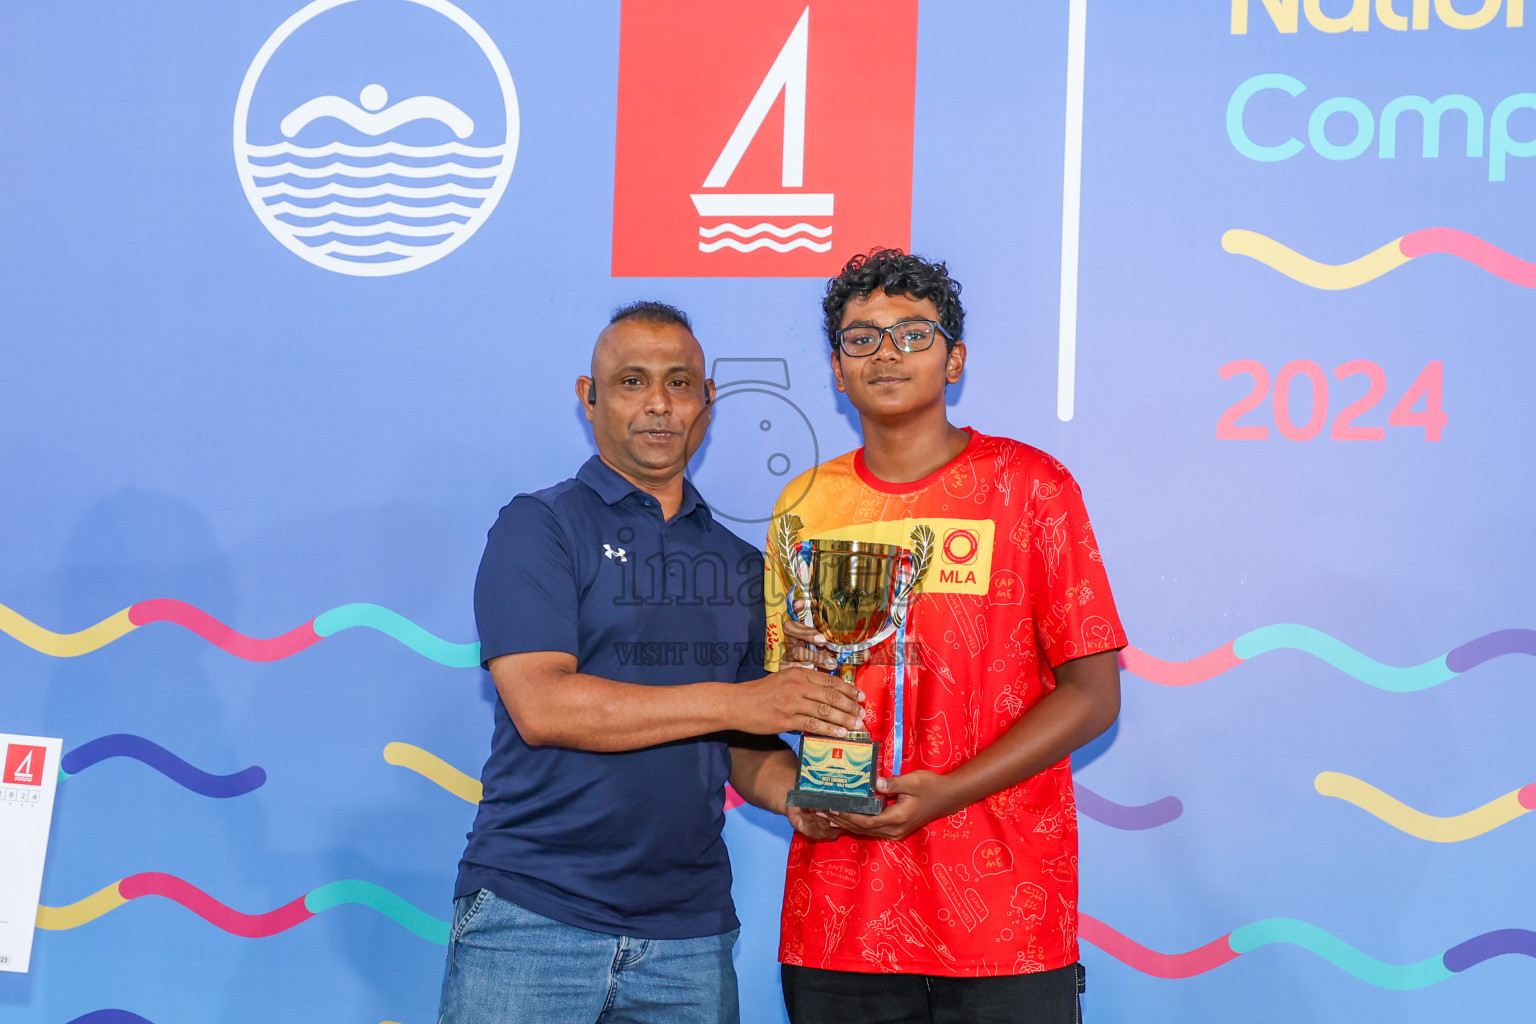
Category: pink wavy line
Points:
column 167, row 609
column 1474, row 250
column 1179, row 673
column 1149, row 961
column 249, row 926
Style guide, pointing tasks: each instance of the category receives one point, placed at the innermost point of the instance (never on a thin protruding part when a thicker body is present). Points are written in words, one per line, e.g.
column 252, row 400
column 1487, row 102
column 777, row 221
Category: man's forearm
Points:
column 552, row 704
column 763, row 771
column 586, row 712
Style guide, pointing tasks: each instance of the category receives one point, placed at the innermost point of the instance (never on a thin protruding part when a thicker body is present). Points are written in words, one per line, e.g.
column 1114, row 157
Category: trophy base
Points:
column 837, row 775
column 811, row 799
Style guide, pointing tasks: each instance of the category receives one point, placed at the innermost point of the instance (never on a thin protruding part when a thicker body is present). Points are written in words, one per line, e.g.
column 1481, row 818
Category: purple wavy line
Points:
column 125, row 744
column 1494, row 645
column 111, row 1017
column 1489, row 945
column 1131, row 819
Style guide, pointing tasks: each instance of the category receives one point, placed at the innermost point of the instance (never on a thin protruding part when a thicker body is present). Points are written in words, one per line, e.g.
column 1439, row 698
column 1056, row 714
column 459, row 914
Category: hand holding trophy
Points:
column 856, row 594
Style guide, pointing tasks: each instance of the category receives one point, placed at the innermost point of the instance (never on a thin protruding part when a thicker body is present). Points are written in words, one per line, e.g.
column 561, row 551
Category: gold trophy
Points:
column 855, row 595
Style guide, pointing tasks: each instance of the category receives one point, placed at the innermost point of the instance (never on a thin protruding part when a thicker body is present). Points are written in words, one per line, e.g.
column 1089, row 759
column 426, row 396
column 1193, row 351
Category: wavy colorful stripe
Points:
column 163, row 761
column 1289, row 931
column 1286, row 636
column 1416, row 823
column 1337, row 276
column 434, row 769
column 250, row 926
column 164, row 609
column 1122, row 816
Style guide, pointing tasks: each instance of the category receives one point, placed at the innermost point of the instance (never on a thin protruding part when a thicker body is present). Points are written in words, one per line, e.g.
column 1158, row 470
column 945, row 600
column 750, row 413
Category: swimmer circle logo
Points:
column 346, row 152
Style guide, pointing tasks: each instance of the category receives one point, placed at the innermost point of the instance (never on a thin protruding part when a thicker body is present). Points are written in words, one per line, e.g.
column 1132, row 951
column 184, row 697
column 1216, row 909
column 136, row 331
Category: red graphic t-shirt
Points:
column 1016, row 586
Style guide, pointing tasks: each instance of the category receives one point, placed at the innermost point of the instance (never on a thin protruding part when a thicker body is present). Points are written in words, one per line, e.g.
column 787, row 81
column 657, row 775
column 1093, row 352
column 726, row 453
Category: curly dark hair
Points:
column 650, row 311
column 895, row 273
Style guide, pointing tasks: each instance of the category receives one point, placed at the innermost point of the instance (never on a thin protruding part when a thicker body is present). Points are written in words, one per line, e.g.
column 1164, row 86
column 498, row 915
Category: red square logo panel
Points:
column 763, row 139
column 23, row 765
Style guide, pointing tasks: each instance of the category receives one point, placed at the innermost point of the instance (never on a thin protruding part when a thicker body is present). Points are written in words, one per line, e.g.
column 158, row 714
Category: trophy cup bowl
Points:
column 853, row 584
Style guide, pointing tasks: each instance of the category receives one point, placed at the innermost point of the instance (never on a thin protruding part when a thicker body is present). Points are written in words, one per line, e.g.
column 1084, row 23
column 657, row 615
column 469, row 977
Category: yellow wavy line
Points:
column 1309, row 271
column 56, row 919
column 64, row 645
column 1416, row 823
column 434, row 768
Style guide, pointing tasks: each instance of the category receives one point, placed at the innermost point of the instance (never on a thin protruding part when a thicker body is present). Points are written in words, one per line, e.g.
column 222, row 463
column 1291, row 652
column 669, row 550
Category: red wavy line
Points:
column 1179, row 673
column 167, row 609
column 1472, row 249
column 1149, row 961
column 249, row 926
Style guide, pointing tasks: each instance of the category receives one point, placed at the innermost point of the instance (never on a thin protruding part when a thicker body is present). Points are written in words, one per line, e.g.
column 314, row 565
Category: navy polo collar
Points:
column 614, row 488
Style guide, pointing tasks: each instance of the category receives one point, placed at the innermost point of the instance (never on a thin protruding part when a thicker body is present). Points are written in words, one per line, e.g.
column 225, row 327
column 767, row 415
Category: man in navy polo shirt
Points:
column 623, row 629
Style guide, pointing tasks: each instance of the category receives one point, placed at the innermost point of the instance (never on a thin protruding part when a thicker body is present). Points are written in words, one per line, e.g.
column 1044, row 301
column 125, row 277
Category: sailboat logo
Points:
column 786, row 231
column 762, row 139
column 372, row 174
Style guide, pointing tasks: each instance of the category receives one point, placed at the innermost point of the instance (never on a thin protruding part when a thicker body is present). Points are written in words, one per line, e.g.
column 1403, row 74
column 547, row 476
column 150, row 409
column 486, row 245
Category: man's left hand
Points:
column 921, row 796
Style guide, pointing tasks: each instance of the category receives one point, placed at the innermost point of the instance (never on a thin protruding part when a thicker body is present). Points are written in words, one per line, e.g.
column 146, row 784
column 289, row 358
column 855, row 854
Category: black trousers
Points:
column 815, row 996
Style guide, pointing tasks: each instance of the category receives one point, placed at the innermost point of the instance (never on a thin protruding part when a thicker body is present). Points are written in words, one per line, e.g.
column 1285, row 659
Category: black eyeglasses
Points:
column 907, row 336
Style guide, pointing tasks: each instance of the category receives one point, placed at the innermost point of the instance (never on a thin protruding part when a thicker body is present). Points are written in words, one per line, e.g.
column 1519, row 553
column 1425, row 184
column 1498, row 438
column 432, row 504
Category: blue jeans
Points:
column 508, row 965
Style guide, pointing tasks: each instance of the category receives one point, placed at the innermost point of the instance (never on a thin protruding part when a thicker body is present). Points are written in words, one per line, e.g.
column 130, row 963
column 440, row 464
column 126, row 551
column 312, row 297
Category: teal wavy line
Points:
column 381, row 899
column 1400, row 977
column 400, row 628
column 1343, row 657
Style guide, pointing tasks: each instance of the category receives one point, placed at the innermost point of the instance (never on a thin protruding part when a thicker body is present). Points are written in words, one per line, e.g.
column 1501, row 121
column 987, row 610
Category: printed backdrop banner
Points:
column 293, row 301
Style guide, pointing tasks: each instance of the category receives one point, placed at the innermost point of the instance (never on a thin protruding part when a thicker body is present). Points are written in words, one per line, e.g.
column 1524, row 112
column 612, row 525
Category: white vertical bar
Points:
column 1071, row 211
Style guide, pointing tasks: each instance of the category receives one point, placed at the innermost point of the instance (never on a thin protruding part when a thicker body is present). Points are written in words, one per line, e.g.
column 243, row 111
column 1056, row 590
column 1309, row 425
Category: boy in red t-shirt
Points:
column 959, row 900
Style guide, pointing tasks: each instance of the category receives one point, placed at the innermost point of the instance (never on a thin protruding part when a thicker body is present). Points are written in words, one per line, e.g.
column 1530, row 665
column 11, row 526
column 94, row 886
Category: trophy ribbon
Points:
column 914, row 566
column 899, row 674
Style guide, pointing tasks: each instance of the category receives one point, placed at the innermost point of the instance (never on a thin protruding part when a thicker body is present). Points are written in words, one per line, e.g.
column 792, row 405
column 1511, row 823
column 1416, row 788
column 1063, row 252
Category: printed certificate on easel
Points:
column 27, row 788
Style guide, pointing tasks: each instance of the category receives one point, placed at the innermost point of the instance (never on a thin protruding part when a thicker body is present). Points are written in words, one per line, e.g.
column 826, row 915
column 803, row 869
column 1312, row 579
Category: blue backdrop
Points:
column 245, row 492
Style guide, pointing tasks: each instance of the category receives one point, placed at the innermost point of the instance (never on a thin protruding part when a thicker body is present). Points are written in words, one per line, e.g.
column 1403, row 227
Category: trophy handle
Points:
column 922, row 557
column 794, row 565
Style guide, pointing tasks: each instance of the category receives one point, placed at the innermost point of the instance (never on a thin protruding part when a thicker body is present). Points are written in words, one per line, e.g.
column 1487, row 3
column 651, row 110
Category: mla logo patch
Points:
column 749, row 144
column 373, row 137
column 960, row 546
column 23, row 765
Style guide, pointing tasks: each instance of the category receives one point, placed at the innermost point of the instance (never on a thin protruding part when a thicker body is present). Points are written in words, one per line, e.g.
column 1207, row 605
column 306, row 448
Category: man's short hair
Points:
column 895, row 273
column 650, row 311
